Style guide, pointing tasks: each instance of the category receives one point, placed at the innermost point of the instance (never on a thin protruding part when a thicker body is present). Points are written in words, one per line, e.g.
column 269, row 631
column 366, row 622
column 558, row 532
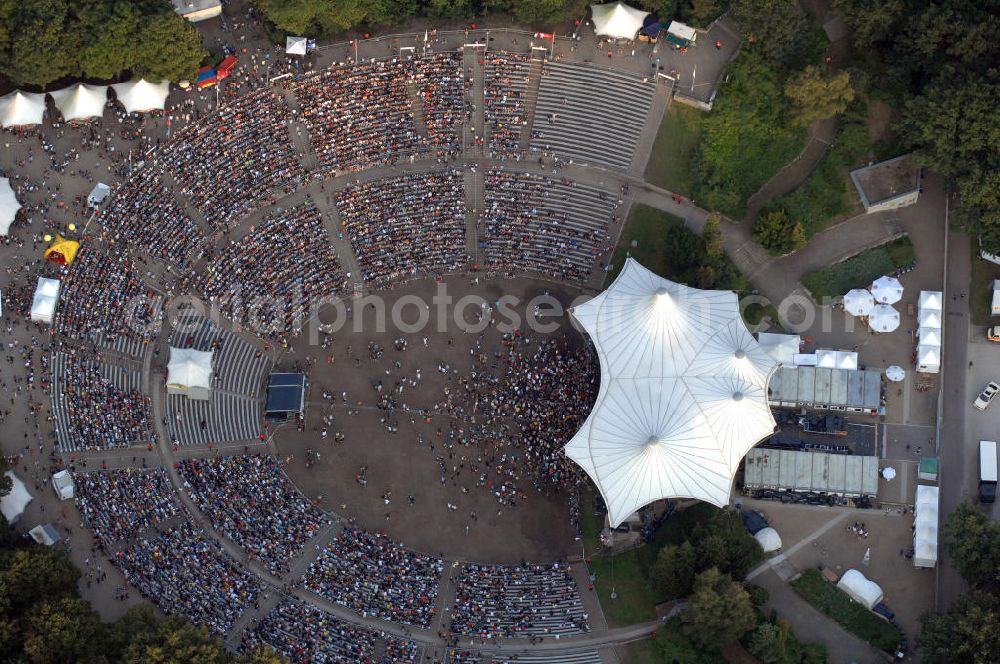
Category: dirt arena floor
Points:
column 404, row 462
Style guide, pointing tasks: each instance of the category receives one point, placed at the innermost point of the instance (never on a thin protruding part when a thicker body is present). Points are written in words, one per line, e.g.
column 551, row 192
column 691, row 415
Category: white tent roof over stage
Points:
column 617, row 20
column 140, row 96
column 81, row 101
column 19, row 109
column 189, row 369
column 683, row 392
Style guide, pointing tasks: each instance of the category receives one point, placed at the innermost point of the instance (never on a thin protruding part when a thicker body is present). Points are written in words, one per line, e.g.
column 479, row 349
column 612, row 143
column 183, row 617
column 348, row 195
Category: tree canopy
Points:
column 972, row 542
column 46, row 40
column 818, row 97
column 719, row 611
column 966, row 633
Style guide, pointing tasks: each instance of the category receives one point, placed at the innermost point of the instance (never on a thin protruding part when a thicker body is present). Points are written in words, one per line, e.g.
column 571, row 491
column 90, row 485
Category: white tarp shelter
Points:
column 930, row 336
column 768, row 539
column 617, row 20
column 198, row 10
column 804, row 359
column 781, row 347
column 63, row 485
column 81, row 101
column 683, row 392
column 836, row 359
column 97, row 195
column 43, row 306
column 8, row 206
column 682, row 30
column 45, row 534
column 20, row 109
column 925, row 526
column 189, row 372
column 140, row 96
column 296, row 45
column 860, row 589
column 13, row 504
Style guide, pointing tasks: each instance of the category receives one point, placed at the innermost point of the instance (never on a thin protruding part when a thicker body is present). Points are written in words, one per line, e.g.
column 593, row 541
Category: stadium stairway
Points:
column 472, row 62
column 531, row 100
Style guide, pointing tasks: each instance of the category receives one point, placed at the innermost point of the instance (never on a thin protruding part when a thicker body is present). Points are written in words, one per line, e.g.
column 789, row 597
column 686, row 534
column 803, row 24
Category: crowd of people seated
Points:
column 406, row 227
column 376, row 577
column 517, row 601
column 117, row 504
column 145, row 215
column 266, row 279
column 531, row 224
column 251, row 501
column 303, row 633
column 184, row 571
column 103, row 296
column 361, row 115
column 91, row 410
column 231, row 161
column 504, row 92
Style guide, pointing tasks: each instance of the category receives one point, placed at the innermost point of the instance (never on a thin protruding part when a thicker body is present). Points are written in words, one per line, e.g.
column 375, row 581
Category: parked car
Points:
column 984, row 399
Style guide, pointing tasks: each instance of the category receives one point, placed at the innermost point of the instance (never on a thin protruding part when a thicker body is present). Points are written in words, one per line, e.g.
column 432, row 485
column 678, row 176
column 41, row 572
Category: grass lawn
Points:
column 670, row 161
column 590, row 523
column 636, row 601
column 662, row 243
column 853, row 617
column 859, row 270
column 981, row 289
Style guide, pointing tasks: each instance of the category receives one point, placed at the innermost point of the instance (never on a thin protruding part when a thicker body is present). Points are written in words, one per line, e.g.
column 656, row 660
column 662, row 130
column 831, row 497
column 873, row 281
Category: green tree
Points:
column 724, row 543
column 777, row 29
column 712, row 235
column 972, row 542
column 63, row 630
column 704, row 11
column 798, row 239
column 967, row 633
column 764, row 644
column 772, row 230
column 42, row 43
column 871, row 21
column 168, row 47
column 719, row 611
column 294, row 16
column 674, row 570
column 818, row 97
column 139, row 637
column 29, row 573
column 110, row 45
column 6, row 484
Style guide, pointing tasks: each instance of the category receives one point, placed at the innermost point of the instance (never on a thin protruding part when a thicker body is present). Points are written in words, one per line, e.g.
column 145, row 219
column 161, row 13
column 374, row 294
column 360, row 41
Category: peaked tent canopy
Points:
column 189, row 372
column 12, row 505
column 782, row 347
column 8, row 206
column 683, row 392
column 140, row 96
column 929, row 318
column 617, row 20
column 20, row 109
column 295, row 45
column 81, row 101
column 930, row 300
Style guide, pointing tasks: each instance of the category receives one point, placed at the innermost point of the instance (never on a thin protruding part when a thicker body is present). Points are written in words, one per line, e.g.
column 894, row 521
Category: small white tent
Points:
column 12, row 505
column 929, row 336
column 62, row 483
column 930, row 300
column 860, row 589
column 295, row 45
column 45, row 534
column 8, row 206
column 43, row 306
column 837, row 359
column 140, row 96
column 97, row 195
column 928, row 359
column 781, row 347
column 617, row 20
column 20, row 109
column 929, row 318
column 768, row 539
column 925, row 526
column 81, row 101
column 189, row 372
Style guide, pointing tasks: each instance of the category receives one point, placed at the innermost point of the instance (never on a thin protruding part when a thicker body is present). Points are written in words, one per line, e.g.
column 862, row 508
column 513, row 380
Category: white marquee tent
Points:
column 63, row 485
column 81, row 101
column 20, row 109
column 860, row 589
column 925, row 533
column 43, row 306
column 12, row 505
column 140, row 96
column 928, row 359
column 836, row 359
column 617, row 20
column 8, row 206
column 295, row 45
column 189, row 372
column 782, row 347
column 45, row 534
column 929, row 318
column 930, row 300
column 930, row 336
column 683, row 392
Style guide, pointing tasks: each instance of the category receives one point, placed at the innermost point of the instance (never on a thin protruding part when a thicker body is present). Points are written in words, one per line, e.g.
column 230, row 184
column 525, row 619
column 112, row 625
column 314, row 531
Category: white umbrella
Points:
column 883, row 318
column 895, row 373
column 887, row 290
column 858, row 302
column 888, row 472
